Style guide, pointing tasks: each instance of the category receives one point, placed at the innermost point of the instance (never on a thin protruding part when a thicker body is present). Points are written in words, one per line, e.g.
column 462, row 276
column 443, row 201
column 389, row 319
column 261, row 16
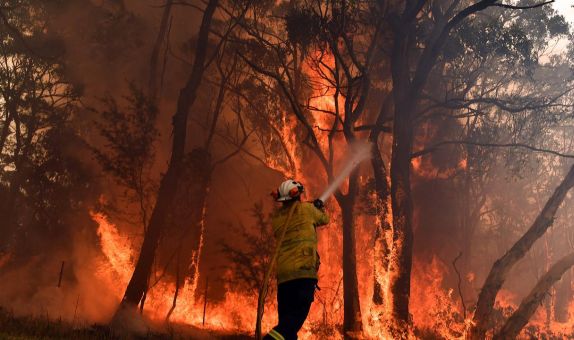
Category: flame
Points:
column 436, row 308
column 116, row 270
column 117, row 250
column 291, row 147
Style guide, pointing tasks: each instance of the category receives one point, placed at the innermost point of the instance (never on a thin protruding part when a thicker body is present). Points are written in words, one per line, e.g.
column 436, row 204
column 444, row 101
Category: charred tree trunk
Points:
column 191, row 240
column 381, row 247
column 352, row 321
column 168, row 186
column 401, row 199
column 407, row 89
column 529, row 304
column 179, row 251
column 502, row 266
column 402, row 220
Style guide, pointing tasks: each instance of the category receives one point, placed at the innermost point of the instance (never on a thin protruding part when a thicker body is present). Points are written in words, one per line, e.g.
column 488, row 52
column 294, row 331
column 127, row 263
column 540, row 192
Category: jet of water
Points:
column 359, row 152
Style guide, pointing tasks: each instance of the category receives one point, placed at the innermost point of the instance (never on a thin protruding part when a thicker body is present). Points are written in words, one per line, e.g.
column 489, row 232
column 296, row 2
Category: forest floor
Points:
column 27, row 327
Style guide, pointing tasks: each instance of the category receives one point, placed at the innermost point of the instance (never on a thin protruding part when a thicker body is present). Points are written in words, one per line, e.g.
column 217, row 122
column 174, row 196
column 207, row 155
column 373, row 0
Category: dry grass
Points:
column 14, row 327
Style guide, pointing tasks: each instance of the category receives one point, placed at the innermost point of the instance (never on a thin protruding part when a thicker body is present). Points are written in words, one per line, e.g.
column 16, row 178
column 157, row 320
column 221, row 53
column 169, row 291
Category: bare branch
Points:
column 459, row 284
column 181, row 3
column 523, row 7
column 530, row 304
column 295, row 106
column 500, row 269
column 490, row 145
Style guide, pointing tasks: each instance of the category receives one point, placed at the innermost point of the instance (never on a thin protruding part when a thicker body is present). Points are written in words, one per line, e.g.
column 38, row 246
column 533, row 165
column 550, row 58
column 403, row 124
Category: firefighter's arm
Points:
column 321, row 218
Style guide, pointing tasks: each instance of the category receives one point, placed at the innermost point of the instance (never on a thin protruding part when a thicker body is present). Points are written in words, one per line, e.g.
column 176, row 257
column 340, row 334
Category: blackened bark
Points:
column 192, row 215
column 529, row 304
column 168, row 186
column 179, row 251
column 502, row 266
column 402, row 220
column 352, row 321
column 381, row 247
column 406, row 93
column 401, row 199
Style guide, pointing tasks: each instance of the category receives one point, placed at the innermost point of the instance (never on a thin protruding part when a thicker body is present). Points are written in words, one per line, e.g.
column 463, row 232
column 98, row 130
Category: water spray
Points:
column 359, row 153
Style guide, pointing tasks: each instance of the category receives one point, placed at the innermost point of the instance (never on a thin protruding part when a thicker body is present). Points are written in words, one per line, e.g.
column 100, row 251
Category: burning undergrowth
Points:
column 75, row 237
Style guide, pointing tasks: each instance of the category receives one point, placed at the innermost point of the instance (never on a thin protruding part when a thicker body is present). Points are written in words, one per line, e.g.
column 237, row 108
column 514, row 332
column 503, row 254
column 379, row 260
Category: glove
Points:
column 319, row 204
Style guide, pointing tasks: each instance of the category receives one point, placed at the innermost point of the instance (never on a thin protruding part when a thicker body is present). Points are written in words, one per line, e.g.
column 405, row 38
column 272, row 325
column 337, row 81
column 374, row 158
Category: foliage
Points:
column 43, row 179
column 250, row 262
column 128, row 153
column 303, row 26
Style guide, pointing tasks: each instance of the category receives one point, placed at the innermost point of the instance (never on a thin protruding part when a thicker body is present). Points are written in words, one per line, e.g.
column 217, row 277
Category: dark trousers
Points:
column 294, row 300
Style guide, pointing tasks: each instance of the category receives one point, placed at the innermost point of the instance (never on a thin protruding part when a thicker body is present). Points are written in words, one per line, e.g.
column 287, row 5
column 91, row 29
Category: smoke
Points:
column 107, row 48
column 84, row 295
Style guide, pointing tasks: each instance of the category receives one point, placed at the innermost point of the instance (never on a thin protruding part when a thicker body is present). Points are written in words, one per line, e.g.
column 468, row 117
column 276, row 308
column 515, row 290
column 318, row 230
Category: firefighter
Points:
column 298, row 260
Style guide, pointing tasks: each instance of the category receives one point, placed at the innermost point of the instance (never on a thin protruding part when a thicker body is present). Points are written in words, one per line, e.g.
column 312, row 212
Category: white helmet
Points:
column 288, row 190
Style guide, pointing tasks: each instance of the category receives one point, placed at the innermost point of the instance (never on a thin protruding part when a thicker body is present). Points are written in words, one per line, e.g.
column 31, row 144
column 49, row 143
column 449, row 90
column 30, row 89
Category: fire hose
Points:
column 361, row 152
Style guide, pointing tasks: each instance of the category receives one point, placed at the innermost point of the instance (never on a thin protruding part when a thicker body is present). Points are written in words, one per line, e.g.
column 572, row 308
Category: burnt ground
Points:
column 14, row 327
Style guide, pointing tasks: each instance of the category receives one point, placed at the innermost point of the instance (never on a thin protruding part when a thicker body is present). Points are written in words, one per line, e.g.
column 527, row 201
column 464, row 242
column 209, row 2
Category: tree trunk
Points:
column 401, row 200
column 185, row 227
column 194, row 215
column 381, row 247
column 502, row 266
column 563, row 297
column 407, row 88
column 5, row 131
column 352, row 322
column 169, row 183
column 529, row 304
column 402, row 222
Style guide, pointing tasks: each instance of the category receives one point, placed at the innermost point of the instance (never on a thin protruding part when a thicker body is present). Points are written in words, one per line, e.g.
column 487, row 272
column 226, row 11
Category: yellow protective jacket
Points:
column 298, row 256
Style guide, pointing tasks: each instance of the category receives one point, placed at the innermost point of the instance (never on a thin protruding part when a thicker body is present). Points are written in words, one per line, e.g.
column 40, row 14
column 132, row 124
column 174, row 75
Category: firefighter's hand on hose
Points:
column 319, row 204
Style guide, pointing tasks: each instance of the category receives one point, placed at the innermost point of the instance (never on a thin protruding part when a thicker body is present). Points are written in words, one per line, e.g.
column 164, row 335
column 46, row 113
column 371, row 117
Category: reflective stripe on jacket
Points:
column 298, row 253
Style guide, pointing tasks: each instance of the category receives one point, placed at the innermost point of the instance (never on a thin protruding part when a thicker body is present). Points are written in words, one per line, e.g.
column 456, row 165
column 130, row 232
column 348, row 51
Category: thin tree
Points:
column 532, row 301
column 137, row 285
column 500, row 269
column 408, row 81
column 345, row 80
